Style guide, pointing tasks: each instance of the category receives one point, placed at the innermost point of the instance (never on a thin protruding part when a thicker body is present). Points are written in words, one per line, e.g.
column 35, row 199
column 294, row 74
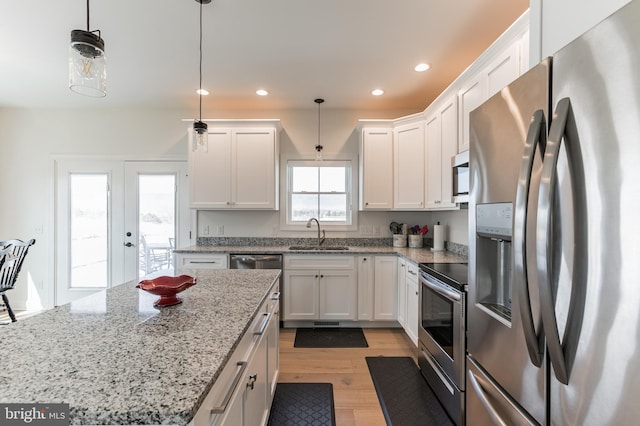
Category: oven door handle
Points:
column 449, row 294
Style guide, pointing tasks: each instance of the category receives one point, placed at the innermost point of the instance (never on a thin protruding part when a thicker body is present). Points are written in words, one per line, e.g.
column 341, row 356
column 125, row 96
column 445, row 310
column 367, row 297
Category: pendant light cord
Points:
column 318, row 124
column 88, row 28
column 200, row 60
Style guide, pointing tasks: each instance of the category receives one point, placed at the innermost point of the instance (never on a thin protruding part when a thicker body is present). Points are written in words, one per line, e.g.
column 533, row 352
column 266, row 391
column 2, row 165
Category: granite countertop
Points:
column 418, row 255
column 118, row 360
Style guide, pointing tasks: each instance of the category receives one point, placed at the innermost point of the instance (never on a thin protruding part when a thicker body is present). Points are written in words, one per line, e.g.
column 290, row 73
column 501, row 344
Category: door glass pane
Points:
column 156, row 222
column 89, row 230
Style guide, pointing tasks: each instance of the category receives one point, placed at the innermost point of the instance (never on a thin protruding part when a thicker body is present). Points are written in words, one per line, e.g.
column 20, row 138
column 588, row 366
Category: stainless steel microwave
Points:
column 460, row 170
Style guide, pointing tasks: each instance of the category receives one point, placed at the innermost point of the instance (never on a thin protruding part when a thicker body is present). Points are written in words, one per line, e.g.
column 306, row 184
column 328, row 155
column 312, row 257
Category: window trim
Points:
column 352, row 192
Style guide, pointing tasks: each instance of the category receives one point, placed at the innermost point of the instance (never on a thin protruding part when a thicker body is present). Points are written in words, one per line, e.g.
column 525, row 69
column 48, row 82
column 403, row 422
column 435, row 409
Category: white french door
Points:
column 104, row 210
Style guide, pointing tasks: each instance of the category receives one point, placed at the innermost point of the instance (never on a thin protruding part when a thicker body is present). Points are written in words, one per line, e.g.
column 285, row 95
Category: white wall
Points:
column 556, row 23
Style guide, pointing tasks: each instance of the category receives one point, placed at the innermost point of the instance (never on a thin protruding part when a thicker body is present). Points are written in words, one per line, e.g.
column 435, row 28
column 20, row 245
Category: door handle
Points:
column 129, row 244
column 536, row 138
column 562, row 353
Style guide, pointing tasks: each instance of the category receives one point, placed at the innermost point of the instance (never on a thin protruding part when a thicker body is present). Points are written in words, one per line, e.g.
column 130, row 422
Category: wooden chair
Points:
column 12, row 255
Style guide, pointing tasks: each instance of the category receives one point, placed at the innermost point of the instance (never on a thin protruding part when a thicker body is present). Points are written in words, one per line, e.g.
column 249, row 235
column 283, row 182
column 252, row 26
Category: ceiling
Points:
column 298, row 50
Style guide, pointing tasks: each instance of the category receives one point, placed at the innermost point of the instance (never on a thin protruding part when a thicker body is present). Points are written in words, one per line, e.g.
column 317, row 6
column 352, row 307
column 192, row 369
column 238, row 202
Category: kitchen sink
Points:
column 324, row 248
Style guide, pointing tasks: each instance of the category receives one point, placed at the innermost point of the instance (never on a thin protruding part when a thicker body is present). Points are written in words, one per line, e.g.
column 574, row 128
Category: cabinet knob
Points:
column 366, row 204
column 321, row 276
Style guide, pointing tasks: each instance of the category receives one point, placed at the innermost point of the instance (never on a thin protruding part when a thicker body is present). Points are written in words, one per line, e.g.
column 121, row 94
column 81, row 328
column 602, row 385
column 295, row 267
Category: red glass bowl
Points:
column 167, row 288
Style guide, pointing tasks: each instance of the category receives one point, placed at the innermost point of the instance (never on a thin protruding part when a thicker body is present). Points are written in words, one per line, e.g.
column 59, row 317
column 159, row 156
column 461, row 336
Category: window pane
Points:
column 89, row 225
column 305, row 179
column 304, row 206
column 157, row 207
column 332, row 179
column 333, row 208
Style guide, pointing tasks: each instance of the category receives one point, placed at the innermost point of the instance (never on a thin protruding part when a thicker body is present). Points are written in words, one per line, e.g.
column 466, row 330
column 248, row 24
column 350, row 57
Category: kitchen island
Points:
column 115, row 359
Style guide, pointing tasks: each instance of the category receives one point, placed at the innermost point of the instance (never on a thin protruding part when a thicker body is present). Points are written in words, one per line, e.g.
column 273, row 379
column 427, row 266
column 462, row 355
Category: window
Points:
column 321, row 190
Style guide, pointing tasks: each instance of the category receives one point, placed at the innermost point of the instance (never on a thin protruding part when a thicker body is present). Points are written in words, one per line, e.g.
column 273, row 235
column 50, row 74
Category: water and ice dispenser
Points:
column 494, row 228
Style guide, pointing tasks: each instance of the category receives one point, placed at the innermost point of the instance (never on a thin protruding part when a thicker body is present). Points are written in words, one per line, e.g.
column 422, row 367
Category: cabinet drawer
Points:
column 319, row 262
column 202, row 261
column 412, row 271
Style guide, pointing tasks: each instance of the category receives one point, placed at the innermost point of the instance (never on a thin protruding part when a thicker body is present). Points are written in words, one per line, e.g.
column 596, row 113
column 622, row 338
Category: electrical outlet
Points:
column 376, row 230
column 220, row 230
column 205, row 230
column 274, row 230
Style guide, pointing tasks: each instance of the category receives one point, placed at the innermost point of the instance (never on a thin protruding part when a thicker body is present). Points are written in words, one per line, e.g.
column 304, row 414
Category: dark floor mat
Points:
column 404, row 395
column 330, row 338
column 303, row 404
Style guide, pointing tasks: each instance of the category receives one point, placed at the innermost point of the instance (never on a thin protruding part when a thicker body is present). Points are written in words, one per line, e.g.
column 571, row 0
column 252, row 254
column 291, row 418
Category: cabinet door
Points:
column 376, row 169
column 503, row 70
column 300, row 295
column 413, row 302
column 210, row 172
column 338, row 295
column 449, row 148
column 434, row 161
column 255, row 408
column 253, row 156
column 409, row 167
column 385, row 293
column 469, row 98
column 273, row 357
column 402, row 291
column 365, row 287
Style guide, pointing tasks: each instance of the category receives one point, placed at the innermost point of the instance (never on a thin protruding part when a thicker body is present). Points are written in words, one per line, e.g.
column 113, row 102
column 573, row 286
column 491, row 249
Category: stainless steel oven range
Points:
column 442, row 333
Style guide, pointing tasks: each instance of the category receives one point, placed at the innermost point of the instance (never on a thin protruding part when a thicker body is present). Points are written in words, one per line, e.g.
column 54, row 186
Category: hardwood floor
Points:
column 355, row 398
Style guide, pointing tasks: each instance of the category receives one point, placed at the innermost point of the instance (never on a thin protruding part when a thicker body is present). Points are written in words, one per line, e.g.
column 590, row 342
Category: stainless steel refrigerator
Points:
column 554, row 245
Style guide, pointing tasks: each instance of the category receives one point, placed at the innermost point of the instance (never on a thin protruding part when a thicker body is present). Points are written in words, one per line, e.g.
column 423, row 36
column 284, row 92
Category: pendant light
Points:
column 318, row 146
column 87, row 63
column 200, row 131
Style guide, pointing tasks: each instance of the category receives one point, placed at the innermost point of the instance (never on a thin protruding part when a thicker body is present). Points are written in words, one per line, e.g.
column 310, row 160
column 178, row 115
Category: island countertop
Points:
column 115, row 359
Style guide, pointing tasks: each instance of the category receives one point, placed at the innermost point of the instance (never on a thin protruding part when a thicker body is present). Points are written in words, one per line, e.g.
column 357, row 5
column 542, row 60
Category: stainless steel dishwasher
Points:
column 259, row 261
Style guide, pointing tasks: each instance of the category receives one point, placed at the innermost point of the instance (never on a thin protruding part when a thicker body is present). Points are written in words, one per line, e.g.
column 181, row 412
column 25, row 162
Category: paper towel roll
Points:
column 438, row 238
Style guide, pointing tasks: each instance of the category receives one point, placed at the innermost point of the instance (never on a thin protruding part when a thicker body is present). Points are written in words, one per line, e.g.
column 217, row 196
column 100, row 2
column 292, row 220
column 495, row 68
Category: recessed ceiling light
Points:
column 422, row 67
column 377, row 92
column 262, row 92
column 203, row 92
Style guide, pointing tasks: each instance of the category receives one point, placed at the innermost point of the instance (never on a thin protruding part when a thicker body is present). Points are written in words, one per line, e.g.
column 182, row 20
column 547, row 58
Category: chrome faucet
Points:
column 320, row 240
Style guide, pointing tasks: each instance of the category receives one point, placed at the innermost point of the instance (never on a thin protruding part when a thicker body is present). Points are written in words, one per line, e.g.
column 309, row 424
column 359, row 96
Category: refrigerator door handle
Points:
column 562, row 352
column 536, row 138
column 484, row 392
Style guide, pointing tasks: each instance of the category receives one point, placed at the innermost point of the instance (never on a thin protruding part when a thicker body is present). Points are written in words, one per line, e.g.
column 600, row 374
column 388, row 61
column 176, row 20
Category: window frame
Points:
column 351, row 190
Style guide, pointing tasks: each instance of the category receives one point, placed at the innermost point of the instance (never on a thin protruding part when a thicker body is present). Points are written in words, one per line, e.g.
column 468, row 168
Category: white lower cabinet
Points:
column 413, row 305
column 408, row 298
column 320, row 288
column 377, row 288
column 385, row 301
column 402, row 291
column 242, row 394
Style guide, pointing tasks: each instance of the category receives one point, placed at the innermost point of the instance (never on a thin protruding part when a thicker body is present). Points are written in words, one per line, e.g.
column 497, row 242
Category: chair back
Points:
column 12, row 255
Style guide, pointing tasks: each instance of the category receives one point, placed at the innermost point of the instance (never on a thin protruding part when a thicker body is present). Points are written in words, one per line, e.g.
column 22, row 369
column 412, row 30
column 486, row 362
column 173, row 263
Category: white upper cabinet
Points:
column 238, row 170
column 441, row 139
column 502, row 62
column 408, row 172
column 376, row 169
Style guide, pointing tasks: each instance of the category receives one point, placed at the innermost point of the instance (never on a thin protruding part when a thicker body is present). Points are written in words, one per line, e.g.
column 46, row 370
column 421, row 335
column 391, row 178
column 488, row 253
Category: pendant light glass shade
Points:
column 200, row 137
column 87, row 63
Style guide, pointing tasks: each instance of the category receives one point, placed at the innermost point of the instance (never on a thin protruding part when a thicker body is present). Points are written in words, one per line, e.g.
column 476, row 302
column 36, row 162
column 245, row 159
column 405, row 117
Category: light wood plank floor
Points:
column 355, row 398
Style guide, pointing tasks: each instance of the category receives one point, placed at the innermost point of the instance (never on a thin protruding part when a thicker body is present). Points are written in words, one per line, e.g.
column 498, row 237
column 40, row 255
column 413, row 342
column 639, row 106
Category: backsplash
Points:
column 458, row 249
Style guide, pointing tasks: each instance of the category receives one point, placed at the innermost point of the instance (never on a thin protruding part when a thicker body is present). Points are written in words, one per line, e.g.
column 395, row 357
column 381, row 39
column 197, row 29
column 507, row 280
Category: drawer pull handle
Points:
column 263, row 326
column 222, row 408
column 275, row 296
